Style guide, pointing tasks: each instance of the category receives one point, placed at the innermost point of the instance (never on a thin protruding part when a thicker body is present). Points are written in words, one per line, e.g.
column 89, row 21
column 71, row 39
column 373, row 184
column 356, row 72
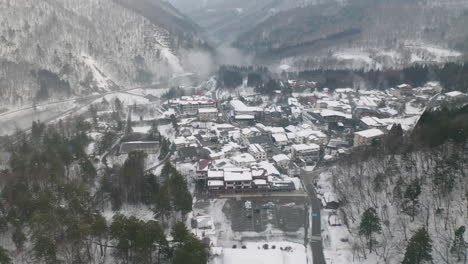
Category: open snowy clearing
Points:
column 254, row 253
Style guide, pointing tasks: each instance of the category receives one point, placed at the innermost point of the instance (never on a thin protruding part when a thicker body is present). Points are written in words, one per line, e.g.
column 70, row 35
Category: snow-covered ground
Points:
column 141, row 212
column 278, row 252
column 22, row 119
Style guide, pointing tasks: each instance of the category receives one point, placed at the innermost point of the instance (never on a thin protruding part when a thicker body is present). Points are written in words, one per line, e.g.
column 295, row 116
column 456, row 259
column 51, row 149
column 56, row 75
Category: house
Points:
column 241, row 179
column 405, row 90
column 202, row 169
column 306, row 152
column 281, row 160
column 366, row 136
column 245, row 119
column 369, row 122
column 238, row 179
column 455, row 96
column 181, row 142
column 257, row 151
column 264, row 141
column 247, row 133
column 280, row 139
column 240, row 110
column 243, row 160
column 207, row 114
column 149, row 147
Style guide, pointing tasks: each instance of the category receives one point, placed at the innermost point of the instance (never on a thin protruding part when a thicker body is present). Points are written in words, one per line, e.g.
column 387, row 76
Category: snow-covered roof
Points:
column 372, row 121
column 269, row 167
column 306, row 147
column 180, row 140
column 260, row 182
column 370, row 133
column 237, row 176
column 207, row 110
column 275, row 130
column 243, row 158
column 327, row 112
column 280, row 157
column 280, row 137
column 243, row 117
column 215, row 174
column 344, row 90
column 215, row 183
column 256, row 148
column 196, row 99
column 454, row 94
column 291, row 128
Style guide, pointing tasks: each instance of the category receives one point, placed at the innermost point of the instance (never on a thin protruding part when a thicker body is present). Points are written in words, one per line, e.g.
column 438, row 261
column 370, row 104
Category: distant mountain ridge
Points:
column 58, row 48
column 226, row 19
column 336, row 32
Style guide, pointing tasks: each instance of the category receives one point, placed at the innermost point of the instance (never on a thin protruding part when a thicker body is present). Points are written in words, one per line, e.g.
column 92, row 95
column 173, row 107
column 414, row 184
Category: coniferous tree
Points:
column 179, row 232
column 370, row 224
column 191, row 251
column 459, row 245
column 419, row 248
column 413, row 190
column 4, row 256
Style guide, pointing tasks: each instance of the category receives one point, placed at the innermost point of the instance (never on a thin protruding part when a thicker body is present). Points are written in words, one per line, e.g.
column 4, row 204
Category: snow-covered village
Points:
column 233, row 132
column 270, row 178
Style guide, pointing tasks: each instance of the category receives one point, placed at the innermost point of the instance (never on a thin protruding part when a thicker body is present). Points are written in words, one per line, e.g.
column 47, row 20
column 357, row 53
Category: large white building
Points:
column 191, row 104
column 366, row 136
column 241, row 110
column 306, row 152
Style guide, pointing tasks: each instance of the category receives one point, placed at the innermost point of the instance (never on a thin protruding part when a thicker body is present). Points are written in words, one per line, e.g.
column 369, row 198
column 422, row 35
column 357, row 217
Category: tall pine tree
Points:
column 370, row 224
column 419, row 249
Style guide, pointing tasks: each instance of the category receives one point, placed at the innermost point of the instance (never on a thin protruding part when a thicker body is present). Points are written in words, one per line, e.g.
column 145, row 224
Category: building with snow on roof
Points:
column 366, row 136
column 307, row 153
column 191, row 104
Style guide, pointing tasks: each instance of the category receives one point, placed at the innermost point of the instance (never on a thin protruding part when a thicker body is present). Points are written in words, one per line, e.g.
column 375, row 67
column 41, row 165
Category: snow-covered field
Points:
column 22, row 119
column 255, row 253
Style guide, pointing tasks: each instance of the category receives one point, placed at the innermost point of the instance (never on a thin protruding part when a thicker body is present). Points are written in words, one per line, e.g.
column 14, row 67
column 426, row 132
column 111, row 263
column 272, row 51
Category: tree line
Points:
column 52, row 198
column 452, row 76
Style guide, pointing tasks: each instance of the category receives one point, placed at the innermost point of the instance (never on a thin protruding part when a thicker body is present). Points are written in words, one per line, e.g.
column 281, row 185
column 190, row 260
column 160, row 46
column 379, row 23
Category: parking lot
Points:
column 257, row 214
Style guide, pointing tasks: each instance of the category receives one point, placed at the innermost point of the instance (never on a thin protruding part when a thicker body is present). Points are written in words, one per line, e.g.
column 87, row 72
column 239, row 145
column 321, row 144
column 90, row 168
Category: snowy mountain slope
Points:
column 318, row 32
column 55, row 48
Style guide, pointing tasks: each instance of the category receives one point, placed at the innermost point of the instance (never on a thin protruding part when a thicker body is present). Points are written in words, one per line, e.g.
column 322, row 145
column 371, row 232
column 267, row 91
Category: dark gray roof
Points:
column 128, row 147
column 260, row 140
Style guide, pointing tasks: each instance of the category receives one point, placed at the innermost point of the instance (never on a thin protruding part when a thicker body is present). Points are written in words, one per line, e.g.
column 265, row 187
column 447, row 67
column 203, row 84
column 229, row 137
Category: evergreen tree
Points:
column 370, row 224
column 419, row 248
column 459, row 244
column 162, row 203
column 179, row 232
column 4, row 256
column 19, row 238
column 153, row 134
column 174, row 122
column 192, row 251
column 411, row 195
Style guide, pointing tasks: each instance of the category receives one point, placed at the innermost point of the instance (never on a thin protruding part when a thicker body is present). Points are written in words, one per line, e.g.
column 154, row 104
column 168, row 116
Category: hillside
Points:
column 362, row 34
column 226, row 19
column 54, row 49
column 421, row 185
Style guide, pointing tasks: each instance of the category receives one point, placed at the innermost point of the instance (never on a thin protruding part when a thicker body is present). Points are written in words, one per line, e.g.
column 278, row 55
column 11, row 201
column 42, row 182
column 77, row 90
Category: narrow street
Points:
column 316, row 230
